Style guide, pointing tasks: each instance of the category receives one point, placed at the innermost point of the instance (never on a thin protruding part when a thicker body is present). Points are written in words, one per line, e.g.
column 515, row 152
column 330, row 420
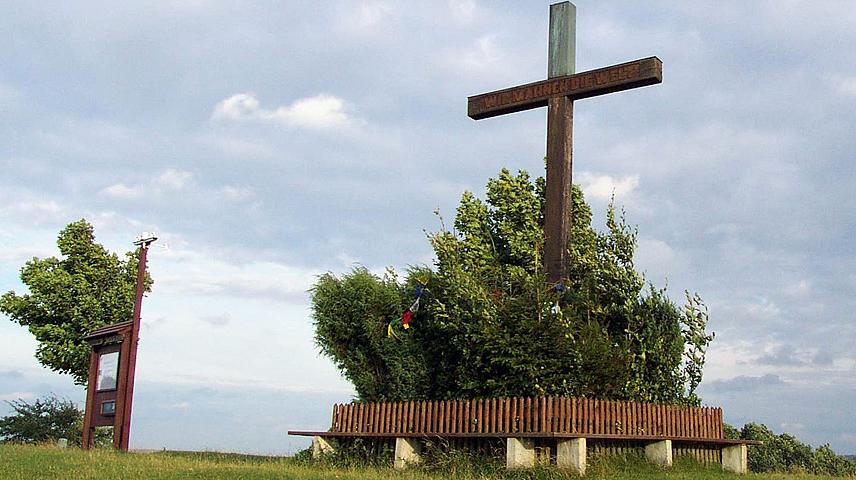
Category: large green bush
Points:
column 491, row 325
column 44, row 420
column 785, row 453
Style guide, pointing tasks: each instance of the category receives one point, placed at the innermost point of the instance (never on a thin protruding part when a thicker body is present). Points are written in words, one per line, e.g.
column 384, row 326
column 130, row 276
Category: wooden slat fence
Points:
column 529, row 415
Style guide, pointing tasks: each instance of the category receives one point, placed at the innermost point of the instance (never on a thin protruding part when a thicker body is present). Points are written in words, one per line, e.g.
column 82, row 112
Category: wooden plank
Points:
column 607, row 417
column 576, row 412
column 366, row 418
column 417, row 416
column 545, row 413
column 490, row 413
column 349, row 418
column 410, row 418
column 546, row 426
column 370, row 419
column 471, row 416
column 614, row 406
column 708, row 424
column 435, row 417
column 429, row 413
column 720, row 428
column 495, row 415
column 517, row 412
column 696, row 422
column 637, row 73
column 483, row 412
column 646, row 419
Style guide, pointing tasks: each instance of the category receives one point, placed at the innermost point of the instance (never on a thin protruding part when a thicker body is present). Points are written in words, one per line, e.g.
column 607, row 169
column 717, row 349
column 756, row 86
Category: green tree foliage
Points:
column 491, row 325
column 45, row 420
column 785, row 453
column 87, row 288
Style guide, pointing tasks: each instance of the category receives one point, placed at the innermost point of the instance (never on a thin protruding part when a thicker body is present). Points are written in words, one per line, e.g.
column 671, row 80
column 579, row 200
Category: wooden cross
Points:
column 558, row 93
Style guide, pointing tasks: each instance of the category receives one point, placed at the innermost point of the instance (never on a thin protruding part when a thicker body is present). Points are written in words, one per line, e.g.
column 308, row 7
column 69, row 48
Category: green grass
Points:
column 41, row 462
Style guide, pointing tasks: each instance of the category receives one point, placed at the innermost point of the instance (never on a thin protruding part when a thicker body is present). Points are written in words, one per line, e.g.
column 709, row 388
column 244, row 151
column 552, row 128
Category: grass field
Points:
column 30, row 463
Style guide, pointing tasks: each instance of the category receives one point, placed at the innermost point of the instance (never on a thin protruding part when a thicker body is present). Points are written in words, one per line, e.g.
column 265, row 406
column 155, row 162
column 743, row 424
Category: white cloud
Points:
column 120, row 190
column 169, row 180
column 11, row 397
column 236, row 193
column 34, row 207
column 174, row 179
column 371, row 13
column 799, row 289
column 462, row 10
column 481, row 55
column 844, row 85
column 764, row 309
column 318, row 112
column 604, row 186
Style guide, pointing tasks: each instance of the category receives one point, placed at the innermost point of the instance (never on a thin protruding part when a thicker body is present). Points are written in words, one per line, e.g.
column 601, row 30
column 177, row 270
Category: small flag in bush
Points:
column 405, row 319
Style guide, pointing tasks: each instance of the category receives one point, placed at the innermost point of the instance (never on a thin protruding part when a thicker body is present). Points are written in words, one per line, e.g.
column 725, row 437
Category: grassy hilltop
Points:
column 32, row 463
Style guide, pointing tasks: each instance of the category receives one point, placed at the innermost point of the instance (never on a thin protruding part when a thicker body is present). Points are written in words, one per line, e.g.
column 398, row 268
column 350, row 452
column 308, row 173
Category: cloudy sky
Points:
column 268, row 142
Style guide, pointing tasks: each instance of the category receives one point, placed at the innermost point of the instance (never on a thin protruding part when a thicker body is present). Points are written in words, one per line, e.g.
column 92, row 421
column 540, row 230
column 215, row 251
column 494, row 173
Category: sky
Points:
column 269, row 142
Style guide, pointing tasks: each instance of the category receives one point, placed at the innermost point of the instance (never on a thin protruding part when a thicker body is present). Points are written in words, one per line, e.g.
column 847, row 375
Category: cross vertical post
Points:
column 560, row 120
column 558, row 93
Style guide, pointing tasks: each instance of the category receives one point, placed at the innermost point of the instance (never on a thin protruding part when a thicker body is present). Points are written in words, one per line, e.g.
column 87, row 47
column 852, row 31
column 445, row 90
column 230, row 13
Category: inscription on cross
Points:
column 558, row 93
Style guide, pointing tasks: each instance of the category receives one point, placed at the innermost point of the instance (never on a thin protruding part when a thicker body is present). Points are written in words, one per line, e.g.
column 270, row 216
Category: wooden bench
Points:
column 570, row 427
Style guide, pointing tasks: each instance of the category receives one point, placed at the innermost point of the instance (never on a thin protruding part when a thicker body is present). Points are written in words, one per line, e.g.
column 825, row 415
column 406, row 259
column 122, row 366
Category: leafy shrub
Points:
column 490, row 325
column 45, row 420
column 785, row 453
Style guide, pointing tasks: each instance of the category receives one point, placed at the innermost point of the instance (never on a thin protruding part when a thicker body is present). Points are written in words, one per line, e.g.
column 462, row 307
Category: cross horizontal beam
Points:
column 638, row 73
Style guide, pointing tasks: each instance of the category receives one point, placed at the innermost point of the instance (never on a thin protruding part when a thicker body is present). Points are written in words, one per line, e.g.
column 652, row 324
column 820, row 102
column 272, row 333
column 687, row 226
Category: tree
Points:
column 44, row 420
column 69, row 297
column 491, row 325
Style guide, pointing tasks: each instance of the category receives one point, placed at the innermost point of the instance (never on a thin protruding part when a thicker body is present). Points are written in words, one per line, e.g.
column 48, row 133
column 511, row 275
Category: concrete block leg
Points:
column 735, row 459
column 406, row 452
column 519, row 453
column 571, row 455
column 321, row 446
column 659, row 453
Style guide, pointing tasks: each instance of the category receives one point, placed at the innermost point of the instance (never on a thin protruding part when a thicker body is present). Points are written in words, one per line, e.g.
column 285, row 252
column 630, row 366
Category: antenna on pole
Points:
column 145, row 239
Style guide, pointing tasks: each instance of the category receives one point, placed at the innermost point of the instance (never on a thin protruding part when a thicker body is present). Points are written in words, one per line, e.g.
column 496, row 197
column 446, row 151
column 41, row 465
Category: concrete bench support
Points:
column 735, row 459
column 321, row 446
column 659, row 453
column 571, row 455
column 519, row 453
column 407, row 451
